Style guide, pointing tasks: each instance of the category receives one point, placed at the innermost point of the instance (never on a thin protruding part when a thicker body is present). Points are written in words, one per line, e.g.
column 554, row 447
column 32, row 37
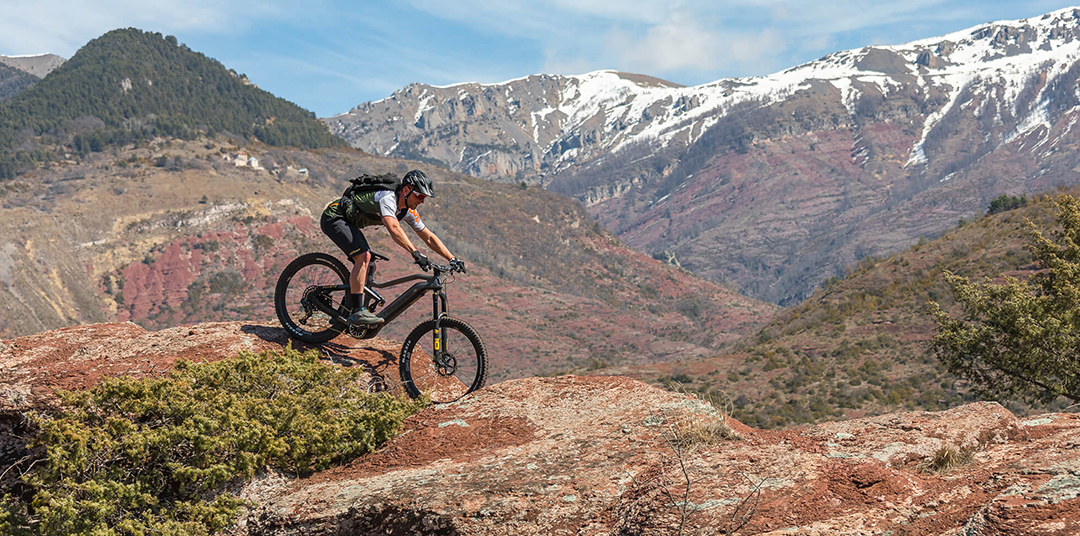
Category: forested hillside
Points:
column 128, row 86
column 13, row 82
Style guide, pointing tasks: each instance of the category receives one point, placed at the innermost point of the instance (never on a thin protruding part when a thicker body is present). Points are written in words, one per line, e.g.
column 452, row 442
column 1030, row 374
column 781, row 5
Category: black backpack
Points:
column 368, row 183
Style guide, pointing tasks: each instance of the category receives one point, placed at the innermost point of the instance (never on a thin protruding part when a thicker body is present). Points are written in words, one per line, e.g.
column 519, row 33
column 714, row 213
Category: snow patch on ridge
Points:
column 424, row 106
column 610, row 111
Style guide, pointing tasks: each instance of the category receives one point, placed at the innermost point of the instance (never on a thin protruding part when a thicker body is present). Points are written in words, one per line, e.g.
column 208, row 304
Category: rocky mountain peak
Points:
column 570, row 120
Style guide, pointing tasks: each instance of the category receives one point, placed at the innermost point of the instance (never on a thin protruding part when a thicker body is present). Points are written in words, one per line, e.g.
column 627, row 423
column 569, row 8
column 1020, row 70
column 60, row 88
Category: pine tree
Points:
column 1021, row 338
column 129, row 85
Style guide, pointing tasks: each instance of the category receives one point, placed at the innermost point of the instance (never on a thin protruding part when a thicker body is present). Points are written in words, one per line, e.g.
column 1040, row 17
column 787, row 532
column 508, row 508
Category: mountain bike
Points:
column 443, row 357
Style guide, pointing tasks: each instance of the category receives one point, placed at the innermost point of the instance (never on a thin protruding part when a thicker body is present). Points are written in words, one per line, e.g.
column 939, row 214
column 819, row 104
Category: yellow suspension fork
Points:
column 438, row 337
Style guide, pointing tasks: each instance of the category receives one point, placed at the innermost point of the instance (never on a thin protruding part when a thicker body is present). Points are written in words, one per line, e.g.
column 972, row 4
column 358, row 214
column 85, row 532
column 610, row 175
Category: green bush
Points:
column 1017, row 339
column 1005, row 202
column 157, row 456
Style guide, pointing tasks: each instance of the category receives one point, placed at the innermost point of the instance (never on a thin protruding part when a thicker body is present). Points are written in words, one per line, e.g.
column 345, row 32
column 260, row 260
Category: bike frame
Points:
column 433, row 283
column 411, row 295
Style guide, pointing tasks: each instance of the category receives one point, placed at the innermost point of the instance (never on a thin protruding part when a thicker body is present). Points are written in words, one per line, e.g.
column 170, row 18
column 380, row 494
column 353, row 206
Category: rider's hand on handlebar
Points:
column 457, row 264
column 421, row 260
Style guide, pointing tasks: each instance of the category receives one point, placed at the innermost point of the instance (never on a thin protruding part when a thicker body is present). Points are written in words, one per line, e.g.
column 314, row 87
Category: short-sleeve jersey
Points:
column 368, row 208
column 387, row 201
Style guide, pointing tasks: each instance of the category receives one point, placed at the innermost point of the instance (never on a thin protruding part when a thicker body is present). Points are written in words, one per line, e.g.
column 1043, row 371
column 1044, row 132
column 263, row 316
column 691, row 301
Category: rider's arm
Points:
column 398, row 234
column 434, row 243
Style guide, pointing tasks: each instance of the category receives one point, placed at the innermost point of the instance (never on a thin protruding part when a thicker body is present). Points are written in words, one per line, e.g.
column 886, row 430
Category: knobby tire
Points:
column 417, row 366
column 309, row 270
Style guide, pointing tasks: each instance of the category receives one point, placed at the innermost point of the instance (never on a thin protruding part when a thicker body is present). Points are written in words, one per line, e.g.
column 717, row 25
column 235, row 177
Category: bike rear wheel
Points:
column 464, row 367
column 297, row 288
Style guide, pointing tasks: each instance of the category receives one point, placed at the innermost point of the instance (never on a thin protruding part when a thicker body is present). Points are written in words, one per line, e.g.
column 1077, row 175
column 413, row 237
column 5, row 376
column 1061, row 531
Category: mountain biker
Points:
column 342, row 221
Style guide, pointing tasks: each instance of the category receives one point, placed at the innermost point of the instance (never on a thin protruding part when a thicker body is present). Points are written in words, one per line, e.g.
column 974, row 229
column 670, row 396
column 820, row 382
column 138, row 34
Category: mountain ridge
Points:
column 39, row 65
column 1006, row 38
column 800, row 173
column 128, row 86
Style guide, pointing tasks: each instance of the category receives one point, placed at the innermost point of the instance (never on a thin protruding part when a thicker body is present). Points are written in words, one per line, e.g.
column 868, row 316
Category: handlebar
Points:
column 438, row 268
column 443, row 268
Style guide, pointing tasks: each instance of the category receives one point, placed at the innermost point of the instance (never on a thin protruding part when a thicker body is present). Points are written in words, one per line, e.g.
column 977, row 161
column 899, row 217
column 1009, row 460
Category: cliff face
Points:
column 603, row 455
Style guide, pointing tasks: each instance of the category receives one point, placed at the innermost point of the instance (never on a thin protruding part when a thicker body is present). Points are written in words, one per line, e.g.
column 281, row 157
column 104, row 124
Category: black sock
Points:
column 358, row 300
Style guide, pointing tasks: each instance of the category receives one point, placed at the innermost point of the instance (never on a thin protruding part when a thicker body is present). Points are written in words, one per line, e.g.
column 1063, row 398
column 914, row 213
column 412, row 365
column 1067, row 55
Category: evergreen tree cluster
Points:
column 1020, row 338
column 13, row 81
column 1005, row 202
column 129, row 85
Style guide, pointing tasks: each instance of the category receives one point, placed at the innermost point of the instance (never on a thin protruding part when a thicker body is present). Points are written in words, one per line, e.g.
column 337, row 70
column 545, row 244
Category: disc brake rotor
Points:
column 448, row 366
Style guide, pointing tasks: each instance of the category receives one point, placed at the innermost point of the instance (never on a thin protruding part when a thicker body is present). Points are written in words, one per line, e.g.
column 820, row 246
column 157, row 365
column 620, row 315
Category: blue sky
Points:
column 328, row 56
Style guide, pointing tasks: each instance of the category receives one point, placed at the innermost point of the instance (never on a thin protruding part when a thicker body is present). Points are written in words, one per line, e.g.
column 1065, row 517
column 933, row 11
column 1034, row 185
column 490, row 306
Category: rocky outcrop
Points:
column 34, row 367
column 927, row 59
column 601, row 455
column 575, row 455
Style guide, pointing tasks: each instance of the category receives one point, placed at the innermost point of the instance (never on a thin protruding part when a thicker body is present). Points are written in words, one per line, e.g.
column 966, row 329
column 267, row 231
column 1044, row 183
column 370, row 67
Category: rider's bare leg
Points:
column 359, row 272
column 357, row 276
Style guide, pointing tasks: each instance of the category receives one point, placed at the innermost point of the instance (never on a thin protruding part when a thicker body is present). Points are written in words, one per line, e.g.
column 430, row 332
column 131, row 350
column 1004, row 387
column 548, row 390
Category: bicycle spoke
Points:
column 460, row 370
column 298, row 291
column 301, row 291
column 443, row 381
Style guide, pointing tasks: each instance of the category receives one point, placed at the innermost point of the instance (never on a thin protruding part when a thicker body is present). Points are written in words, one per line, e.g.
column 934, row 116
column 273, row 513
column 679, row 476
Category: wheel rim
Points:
column 451, row 379
column 300, row 293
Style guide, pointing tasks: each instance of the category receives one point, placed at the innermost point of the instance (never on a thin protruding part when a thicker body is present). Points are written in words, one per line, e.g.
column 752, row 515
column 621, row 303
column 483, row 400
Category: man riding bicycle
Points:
column 343, row 218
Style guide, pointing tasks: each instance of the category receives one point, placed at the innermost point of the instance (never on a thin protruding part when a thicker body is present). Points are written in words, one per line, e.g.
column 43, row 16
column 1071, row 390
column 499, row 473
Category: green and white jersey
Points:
column 368, row 208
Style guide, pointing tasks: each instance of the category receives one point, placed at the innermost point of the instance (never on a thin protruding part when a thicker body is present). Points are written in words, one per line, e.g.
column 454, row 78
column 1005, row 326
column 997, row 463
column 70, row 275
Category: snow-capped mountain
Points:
column 794, row 175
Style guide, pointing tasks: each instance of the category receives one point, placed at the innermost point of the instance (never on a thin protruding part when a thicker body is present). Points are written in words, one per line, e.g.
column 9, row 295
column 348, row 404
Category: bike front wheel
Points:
column 304, row 282
column 462, row 368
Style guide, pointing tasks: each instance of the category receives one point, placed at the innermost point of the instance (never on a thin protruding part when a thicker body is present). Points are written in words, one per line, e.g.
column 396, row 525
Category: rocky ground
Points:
column 575, row 455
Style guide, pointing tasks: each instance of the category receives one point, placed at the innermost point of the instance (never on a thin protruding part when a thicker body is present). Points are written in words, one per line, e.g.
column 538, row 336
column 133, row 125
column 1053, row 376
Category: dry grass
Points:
column 701, row 422
column 695, row 424
column 695, row 431
column 946, row 459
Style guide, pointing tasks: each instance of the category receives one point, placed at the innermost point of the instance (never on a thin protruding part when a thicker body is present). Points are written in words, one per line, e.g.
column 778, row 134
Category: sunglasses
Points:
column 418, row 194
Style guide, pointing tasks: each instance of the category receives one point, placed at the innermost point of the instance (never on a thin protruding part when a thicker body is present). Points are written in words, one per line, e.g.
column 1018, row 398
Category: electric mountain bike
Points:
column 443, row 357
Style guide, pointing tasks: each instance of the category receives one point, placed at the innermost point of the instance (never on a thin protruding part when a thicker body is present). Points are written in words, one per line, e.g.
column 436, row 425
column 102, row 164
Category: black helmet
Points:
column 419, row 182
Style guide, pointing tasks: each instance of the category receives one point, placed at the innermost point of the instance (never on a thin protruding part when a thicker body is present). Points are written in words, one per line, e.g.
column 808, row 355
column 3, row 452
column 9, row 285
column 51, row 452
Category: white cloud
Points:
column 681, row 42
column 661, row 37
column 63, row 26
column 825, row 42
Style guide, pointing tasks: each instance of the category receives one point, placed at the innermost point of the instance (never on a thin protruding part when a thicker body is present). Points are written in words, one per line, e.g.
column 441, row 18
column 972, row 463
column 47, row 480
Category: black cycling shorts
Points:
column 345, row 235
